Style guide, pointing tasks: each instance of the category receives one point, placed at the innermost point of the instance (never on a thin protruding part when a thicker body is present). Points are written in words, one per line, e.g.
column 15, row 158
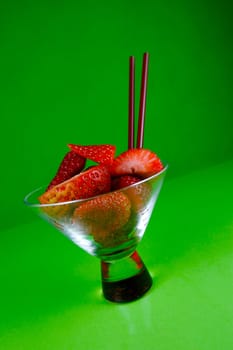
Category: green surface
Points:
column 63, row 79
column 51, row 296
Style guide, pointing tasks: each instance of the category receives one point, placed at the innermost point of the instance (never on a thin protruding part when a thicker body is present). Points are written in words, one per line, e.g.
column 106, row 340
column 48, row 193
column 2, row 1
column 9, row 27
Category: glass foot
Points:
column 126, row 279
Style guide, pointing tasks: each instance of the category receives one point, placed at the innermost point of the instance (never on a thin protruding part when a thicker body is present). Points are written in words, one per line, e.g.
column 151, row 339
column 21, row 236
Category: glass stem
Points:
column 126, row 279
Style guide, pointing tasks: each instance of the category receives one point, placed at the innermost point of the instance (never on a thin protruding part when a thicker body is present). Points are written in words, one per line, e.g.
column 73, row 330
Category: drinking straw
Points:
column 131, row 102
column 142, row 106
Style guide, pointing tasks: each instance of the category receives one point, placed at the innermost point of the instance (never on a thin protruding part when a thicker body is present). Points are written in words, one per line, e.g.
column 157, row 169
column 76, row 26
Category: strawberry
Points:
column 103, row 217
column 123, row 181
column 87, row 184
column 136, row 161
column 71, row 165
column 138, row 194
column 102, row 154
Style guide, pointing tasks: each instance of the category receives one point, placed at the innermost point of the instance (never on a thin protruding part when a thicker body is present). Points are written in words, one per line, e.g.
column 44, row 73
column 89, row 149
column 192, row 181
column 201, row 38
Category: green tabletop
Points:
column 50, row 289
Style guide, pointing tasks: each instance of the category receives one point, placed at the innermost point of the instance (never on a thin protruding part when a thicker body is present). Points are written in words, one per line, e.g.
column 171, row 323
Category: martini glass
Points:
column 110, row 233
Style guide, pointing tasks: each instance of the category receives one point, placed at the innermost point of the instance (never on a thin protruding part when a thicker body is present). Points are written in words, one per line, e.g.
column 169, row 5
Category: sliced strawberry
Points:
column 71, row 165
column 123, row 181
column 104, row 216
column 102, row 154
column 137, row 161
column 87, row 184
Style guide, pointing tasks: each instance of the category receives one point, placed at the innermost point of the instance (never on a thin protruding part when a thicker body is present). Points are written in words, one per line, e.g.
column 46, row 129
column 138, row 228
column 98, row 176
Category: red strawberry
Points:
column 123, row 181
column 138, row 194
column 84, row 185
column 103, row 217
column 136, row 161
column 103, row 154
column 71, row 165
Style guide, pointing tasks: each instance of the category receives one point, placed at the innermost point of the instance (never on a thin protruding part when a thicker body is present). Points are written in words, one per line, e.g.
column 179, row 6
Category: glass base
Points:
column 126, row 279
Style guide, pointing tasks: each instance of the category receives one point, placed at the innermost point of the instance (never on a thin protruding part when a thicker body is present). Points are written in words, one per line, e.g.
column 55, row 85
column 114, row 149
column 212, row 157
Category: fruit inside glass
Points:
column 109, row 227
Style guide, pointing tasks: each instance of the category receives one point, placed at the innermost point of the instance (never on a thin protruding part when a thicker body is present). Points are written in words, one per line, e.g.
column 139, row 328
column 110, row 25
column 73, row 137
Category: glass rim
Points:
column 57, row 204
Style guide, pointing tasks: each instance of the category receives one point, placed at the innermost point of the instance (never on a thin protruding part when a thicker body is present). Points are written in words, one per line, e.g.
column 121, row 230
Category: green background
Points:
column 64, row 79
column 64, row 72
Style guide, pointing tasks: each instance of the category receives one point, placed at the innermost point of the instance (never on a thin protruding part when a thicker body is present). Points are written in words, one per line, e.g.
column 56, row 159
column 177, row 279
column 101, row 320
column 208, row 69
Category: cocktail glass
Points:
column 124, row 275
